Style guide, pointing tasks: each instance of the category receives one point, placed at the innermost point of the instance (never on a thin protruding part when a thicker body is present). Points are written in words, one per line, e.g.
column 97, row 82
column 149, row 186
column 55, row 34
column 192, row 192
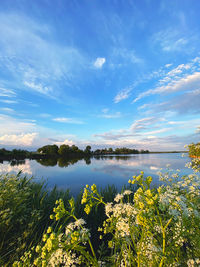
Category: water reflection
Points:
column 17, row 162
column 102, row 170
column 16, row 166
column 62, row 162
column 47, row 162
column 116, row 157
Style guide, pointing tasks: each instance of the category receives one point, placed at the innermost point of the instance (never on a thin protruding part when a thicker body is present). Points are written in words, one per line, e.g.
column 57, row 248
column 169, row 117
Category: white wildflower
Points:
column 127, row 192
column 118, row 197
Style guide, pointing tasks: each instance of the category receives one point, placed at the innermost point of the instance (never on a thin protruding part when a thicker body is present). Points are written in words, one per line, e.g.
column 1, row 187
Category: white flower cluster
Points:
column 61, row 257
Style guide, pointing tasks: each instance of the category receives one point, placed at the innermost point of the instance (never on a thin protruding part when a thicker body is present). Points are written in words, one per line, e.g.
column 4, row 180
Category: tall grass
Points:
column 25, row 208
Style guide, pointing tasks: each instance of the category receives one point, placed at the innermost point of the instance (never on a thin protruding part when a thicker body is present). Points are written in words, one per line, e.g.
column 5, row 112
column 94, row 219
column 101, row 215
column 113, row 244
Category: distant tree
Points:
column 88, row 150
column 50, row 150
column 74, row 148
column 64, row 150
column 110, row 150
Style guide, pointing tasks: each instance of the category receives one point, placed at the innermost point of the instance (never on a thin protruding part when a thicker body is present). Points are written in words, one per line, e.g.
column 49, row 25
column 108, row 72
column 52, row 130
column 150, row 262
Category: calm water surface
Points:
column 105, row 170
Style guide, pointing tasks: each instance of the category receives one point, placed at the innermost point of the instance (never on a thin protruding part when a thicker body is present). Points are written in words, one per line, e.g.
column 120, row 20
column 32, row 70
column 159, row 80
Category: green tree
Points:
column 64, row 150
column 88, row 150
column 50, row 150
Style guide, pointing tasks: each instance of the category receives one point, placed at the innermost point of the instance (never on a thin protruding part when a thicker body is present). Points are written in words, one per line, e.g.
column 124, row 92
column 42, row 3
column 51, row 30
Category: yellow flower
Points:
column 44, row 237
column 49, row 230
column 87, row 209
column 37, row 249
column 36, row 262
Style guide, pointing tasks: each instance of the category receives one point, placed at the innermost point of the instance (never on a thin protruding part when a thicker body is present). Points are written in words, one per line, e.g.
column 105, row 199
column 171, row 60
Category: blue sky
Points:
column 105, row 73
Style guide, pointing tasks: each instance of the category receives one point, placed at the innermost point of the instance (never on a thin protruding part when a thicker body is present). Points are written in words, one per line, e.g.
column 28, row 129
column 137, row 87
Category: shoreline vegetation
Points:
column 66, row 152
column 133, row 227
column 139, row 226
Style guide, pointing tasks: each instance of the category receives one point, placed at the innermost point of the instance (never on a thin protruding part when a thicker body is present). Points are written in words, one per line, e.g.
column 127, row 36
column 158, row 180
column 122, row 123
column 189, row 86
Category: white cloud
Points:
column 187, row 103
column 162, row 130
column 145, row 123
column 189, row 82
column 7, row 168
column 15, row 126
column 168, row 65
column 18, row 139
column 67, row 120
column 7, row 92
column 174, row 40
column 198, row 129
column 124, row 94
column 19, row 36
column 38, row 87
column 8, row 101
column 65, row 142
column 99, row 62
column 7, row 110
column 111, row 116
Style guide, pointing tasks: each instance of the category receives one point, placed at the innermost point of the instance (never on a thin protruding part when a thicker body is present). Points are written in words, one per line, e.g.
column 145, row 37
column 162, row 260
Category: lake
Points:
column 102, row 170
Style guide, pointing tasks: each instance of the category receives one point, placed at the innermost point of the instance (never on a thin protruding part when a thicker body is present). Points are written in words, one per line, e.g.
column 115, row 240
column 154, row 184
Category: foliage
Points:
column 194, row 149
column 25, row 207
column 194, row 153
column 51, row 150
column 122, row 150
column 151, row 227
column 14, row 154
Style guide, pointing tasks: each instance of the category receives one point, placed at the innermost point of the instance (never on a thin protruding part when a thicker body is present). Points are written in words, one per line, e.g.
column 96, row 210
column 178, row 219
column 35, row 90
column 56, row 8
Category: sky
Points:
column 102, row 73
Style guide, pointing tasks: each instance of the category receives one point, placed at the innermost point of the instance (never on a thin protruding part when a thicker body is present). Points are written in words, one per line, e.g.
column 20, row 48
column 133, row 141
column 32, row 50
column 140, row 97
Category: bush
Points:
column 151, row 227
column 25, row 207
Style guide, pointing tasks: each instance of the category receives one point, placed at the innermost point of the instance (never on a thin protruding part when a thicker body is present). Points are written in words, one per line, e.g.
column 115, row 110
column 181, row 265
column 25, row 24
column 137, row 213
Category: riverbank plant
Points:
column 25, row 209
column 151, row 227
column 194, row 153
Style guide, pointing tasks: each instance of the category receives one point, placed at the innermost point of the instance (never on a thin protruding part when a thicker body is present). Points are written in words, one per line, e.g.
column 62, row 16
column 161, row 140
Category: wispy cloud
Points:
column 111, row 116
column 7, row 92
column 107, row 115
column 68, row 120
column 171, row 40
column 182, row 78
column 11, row 125
column 187, row 103
column 112, row 136
column 99, row 62
column 19, row 36
column 144, row 123
column 124, row 56
column 7, row 110
column 6, row 101
column 168, row 65
column 39, row 87
column 124, row 94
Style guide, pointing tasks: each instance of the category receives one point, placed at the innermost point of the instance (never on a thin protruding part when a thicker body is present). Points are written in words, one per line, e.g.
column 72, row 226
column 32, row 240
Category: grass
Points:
column 25, row 208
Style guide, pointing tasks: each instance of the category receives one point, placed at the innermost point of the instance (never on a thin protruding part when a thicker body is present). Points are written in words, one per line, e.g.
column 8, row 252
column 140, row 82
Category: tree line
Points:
column 18, row 154
column 64, row 151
